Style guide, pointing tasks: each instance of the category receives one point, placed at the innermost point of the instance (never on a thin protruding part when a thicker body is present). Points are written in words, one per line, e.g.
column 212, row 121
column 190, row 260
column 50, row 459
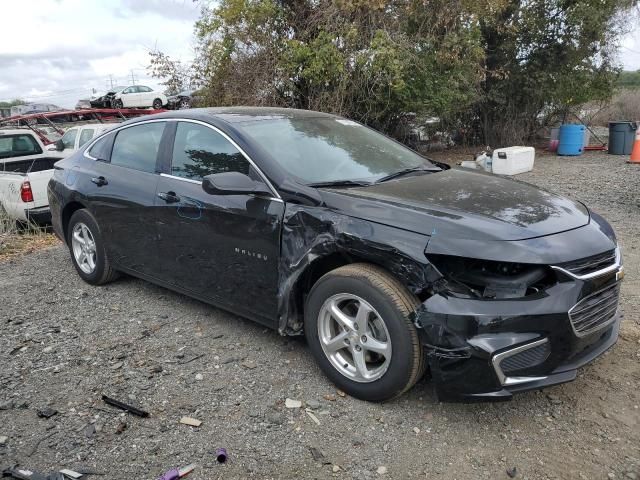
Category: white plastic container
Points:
column 513, row 160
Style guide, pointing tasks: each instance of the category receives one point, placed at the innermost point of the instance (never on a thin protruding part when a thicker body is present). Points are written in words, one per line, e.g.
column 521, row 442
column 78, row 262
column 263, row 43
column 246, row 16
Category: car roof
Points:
column 243, row 114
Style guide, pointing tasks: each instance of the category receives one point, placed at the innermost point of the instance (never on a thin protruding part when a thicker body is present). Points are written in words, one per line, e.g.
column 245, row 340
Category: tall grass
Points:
column 17, row 238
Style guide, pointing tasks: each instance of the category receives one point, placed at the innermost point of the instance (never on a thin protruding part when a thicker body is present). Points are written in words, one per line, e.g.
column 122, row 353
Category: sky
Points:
column 58, row 51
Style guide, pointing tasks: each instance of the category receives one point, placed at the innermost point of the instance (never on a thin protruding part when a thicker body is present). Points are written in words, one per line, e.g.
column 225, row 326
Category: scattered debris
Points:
column 124, row 406
column 330, row 397
column 3, row 440
column 116, row 366
column 190, row 421
column 341, row 393
column 512, row 472
column 313, row 404
column 290, row 403
column 382, row 470
column 319, row 456
column 249, row 364
column 335, row 469
column 312, row 416
column 176, row 473
column 416, row 430
column 70, row 473
column 121, row 427
column 199, row 377
column 221, row 455
column 46, row 412
column 90, row 430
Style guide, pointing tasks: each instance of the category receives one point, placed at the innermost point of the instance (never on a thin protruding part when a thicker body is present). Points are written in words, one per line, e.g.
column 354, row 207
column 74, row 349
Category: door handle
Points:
column 99, row 181
column 169, row 197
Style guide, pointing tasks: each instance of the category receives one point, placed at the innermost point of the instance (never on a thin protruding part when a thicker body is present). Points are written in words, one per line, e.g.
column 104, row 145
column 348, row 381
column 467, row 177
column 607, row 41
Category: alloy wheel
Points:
column 84, row 248
column 354, row 338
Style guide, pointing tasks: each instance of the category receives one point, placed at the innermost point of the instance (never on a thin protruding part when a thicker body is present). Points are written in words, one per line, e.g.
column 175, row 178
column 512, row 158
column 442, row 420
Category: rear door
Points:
column 221, row 247
column 121, row 189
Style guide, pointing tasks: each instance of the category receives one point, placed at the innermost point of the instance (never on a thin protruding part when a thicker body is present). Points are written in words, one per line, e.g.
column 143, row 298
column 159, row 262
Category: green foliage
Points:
column 490, row 65
column 12, row 103
column 629, row 79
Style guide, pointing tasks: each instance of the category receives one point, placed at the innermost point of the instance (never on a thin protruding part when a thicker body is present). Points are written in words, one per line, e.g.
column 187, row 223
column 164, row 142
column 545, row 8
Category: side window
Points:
column 85, row 135
column 69, row 138
column 199, row 151
column 137, row 147
column 100, row 149
column 128, row 90
column 144, row 89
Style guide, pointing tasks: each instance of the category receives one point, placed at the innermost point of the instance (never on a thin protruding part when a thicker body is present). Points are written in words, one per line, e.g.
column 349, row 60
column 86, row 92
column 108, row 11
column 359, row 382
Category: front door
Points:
column 220, row 247
column 121, row 191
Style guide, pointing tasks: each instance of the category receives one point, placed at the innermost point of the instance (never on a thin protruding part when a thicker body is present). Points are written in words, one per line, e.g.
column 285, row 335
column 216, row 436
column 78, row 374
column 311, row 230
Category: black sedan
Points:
column 391, row 265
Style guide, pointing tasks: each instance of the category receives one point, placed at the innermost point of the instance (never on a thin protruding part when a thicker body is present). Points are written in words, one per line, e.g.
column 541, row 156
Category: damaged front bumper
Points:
column 482, row 349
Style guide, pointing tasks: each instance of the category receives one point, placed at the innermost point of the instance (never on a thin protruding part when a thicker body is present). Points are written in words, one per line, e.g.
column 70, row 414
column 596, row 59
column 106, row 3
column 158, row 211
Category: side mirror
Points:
column 233, row 183
column 59, row 145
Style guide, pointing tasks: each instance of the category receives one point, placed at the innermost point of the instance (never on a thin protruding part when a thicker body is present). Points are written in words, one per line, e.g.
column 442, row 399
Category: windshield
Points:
column 322, row 149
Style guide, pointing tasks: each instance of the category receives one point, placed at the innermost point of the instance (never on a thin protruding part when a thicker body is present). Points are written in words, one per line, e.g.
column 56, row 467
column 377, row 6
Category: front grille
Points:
column 585, row 266
column 595, row 311
column 526, row 359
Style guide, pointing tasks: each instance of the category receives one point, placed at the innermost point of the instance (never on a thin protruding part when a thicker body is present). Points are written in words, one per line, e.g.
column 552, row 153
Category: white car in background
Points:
column 139, row 96
column 75, row 137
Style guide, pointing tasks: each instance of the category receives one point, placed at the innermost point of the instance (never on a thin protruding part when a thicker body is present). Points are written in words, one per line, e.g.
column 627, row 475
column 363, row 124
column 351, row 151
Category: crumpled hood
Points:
column 461, row 204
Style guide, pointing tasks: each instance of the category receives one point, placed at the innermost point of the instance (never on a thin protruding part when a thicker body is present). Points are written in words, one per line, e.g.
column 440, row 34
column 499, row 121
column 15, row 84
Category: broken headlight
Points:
column 475, row 278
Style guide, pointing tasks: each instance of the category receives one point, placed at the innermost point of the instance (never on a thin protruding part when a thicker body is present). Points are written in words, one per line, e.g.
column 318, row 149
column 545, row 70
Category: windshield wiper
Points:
column 340, row 183
column 406, row 171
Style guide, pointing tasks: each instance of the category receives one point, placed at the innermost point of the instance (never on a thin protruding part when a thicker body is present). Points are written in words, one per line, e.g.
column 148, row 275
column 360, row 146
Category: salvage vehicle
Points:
column 138, row 96
column 180, row 100
column 391, row 265
column 104, row 99
column 25, row 170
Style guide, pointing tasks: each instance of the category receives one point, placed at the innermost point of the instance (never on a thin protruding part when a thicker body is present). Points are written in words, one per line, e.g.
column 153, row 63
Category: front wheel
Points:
column 87, row 249
column 358, row 329
column 117, row 104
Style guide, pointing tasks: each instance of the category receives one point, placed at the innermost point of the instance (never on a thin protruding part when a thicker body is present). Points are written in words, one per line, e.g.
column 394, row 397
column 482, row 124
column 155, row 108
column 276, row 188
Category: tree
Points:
column 544, row 56
column 370, row 60
column 494, row 67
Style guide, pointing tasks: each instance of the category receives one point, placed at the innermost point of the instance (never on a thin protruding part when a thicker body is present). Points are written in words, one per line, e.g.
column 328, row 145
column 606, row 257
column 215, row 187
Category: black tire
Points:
column 157, row 104
column 117, row 104
column 394, row 303
column 103, row 272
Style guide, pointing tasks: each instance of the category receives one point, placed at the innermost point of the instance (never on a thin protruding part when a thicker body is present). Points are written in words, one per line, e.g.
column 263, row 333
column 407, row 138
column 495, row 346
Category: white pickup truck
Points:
column 75, row 137
column 26, row 166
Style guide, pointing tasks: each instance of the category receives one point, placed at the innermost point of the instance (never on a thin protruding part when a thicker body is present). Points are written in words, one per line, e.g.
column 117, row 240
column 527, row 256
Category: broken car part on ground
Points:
column 391, row 264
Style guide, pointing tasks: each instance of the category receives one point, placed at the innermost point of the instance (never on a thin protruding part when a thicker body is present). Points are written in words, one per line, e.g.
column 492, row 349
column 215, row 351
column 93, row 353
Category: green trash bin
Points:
column 621, row 137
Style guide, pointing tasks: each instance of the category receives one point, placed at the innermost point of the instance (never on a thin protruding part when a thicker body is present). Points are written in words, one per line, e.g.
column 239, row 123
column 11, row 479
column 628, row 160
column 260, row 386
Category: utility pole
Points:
column 133, row 78
column 111, row 80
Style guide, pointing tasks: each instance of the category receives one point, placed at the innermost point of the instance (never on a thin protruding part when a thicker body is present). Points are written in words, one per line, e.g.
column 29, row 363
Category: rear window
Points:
column 18, row 145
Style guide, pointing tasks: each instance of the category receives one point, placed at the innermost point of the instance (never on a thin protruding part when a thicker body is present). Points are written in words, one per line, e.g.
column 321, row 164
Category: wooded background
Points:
column 493, row 71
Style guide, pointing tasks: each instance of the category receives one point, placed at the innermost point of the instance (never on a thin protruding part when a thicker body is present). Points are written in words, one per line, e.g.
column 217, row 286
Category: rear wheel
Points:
column 358, row 328
column 157, row 104
column 87, row 249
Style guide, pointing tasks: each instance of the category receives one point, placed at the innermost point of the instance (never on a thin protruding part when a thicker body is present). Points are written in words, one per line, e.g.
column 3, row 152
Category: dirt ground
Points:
column 64, row 343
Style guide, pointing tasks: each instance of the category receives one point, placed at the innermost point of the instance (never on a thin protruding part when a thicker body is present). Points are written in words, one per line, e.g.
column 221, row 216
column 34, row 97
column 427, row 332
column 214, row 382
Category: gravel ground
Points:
column 64, row 343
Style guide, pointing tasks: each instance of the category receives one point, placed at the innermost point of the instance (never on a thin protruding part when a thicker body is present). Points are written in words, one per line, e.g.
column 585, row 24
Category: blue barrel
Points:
column 571, row 140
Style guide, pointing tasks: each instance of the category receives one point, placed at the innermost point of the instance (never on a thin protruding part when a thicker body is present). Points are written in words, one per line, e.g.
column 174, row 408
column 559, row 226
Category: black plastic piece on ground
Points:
column 124, row 406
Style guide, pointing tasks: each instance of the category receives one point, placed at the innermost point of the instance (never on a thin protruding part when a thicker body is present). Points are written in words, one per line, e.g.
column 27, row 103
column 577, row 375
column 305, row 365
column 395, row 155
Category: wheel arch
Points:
column 68, row 210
